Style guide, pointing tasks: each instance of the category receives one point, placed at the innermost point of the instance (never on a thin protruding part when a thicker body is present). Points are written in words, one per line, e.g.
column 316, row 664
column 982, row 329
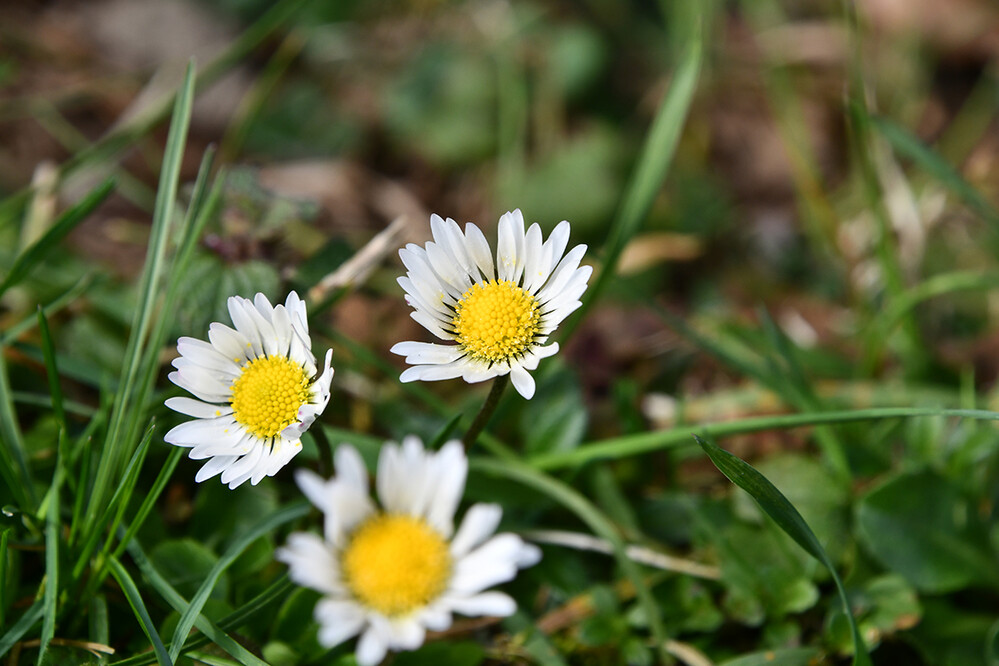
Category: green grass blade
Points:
column 186, row 621
column 51, row 595
column 594, row 518
column 30, row 258
column 3, row 576
column 631, row 445
column 21, row 627
column 115, row 506
column 277, row 591
column 150, row 499
column 653, row 164
column 926, row 158
column 13, row 461
column 57, row 304
column 99, row 628
column 773, row 502
column 139, row 608
column 126, row 412
column 179, row 604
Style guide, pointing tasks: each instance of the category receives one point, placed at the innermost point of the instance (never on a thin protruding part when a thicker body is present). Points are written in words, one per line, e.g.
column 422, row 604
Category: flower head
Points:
column 390, row 573
column 257, row 388
column 498, row 315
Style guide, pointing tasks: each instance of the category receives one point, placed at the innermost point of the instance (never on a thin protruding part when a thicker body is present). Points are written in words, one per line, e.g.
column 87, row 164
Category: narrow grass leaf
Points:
column 616, row 448
column 179, row 604
column 55, row 390
column 126, row 412
column 98, row 619
column 30, row 258
column 594, row 518
column 76, row 290
column 186, row 621
column 150, row 499
column 21, row 627
column 13, row 461
column 907, row 144
column 274, row 594
column 3, row 576
column 654, row 162
column 51, row 595
column 139, row 608
column 773, row 502
column 115, row 505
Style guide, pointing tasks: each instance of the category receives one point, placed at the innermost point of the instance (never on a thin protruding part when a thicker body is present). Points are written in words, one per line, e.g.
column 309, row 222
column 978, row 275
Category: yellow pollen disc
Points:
column 496, row 320
column 266, row 397
column 395, row 564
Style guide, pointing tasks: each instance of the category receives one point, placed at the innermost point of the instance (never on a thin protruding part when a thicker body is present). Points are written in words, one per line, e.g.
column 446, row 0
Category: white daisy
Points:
column 257, row 389
column 498, row 315
column 391, row 573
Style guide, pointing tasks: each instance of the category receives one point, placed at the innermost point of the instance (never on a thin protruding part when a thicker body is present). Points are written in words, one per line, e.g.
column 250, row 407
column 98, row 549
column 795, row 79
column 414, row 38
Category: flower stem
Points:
column 488, row 407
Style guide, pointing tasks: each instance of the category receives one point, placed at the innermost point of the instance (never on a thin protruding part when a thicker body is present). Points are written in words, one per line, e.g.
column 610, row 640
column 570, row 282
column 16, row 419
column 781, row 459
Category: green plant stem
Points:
column 488, row 407
column 631, row 445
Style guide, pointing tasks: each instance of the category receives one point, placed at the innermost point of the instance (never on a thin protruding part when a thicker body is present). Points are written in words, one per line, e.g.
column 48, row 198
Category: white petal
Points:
column 296, row 309
column 242, row 469
column 314, row 487
column 478, row 249
column 493, row 562
column 281, row 321
column 562, row 273
column 201, row 431
column 338, row 621
column 448, row 486
column 557, row 242
column 230, row 343
column 509, row 257
column 205, row 354
column 372, row 647
column 479, row 523
column 522, row 381
column 311, row 563
column 431, row 324
column 196, row 408
column 436, row 617
column 406, row 634
column 495, row 604
column 239, row 311
column 203, row 384
column 213, row 467
column 425, row 299
column 350, row 469
column 417, row 353
column 432, row 373
column 348, row 509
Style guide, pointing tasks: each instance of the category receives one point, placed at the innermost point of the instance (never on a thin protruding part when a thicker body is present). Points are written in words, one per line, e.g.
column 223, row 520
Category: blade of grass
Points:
column 616, row 448
column 773, row 502
column 141, row 614
column 51, row 595
column 30, row 258
column 57, row 304
column 150, row 499
column 125, row 411
column 187, row 619
column 653, row 164
column 114, row 507
column 930, row 161
column 594, row 518
column 13, row 461
column 21, row 627
column 179, row 604
column 3, row 576
column 98, row 620
column 277, row 591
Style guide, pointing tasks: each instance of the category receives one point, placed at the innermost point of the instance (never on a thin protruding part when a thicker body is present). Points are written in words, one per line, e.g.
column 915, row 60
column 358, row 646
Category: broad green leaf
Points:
column 919, row 526
column 788, row 519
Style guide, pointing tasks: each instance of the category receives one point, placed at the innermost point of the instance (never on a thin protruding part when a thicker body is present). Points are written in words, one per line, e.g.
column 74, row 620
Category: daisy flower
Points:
column 257, row 389
column 498, row 315
column 391, row 573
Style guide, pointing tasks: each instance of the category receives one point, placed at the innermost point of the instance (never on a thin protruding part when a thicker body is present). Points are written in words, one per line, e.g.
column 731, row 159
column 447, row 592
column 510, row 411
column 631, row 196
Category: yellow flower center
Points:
column 267, row 395
column 395, row 564
column 496, row 320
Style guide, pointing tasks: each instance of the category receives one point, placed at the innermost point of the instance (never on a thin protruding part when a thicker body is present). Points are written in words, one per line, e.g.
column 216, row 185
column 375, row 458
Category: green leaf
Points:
column 558, row 423
column 788, row 519
column 919, row 526
column 21, row 627
column 139, row 608
column 30, row 258
column 459, row 653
